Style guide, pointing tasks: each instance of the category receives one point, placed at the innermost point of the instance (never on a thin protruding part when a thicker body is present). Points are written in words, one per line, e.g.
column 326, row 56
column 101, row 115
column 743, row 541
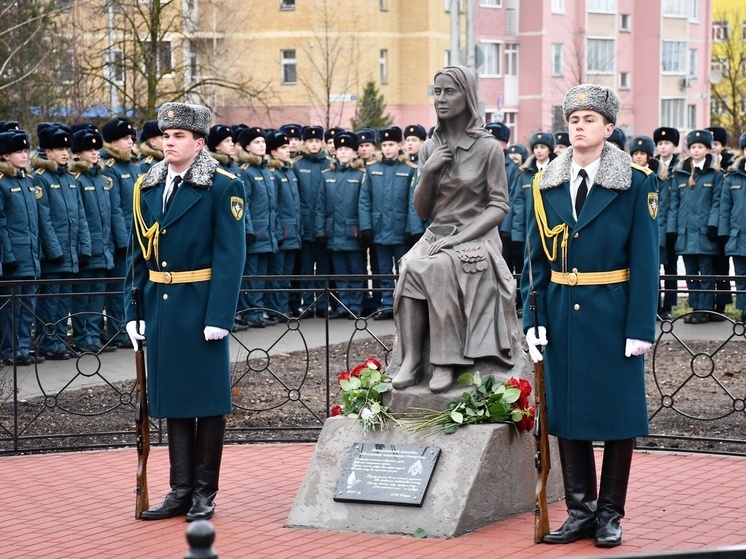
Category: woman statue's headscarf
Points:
column 466, row 81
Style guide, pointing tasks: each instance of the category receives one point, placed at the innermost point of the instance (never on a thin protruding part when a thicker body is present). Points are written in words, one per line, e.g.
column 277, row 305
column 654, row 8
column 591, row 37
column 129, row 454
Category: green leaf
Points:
column 516, row 415
column 375, row 407
column 354, row 383
column 457, row 417
column 466, row 378
column 375, row 376
column 477, row 378
column 420, row 533
column 381, row 388
column 345, row 385
column 451, row 428
column 470, row 412
column 511, row 395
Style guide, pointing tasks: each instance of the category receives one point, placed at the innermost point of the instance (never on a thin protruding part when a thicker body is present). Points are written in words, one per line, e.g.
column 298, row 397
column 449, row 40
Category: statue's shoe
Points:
column 404, row 379
column 442, row 379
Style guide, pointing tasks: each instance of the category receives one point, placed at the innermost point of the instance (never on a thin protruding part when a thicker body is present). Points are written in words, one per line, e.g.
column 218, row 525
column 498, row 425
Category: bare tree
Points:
column 729, row 59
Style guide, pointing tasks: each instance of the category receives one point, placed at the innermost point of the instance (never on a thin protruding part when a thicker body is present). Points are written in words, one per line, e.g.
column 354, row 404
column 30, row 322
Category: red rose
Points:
column 343, row 376
column 372, row 363
column 357, row 370
column 521, row 384
column 526, row 423
column 522, row 403
column 336, row 410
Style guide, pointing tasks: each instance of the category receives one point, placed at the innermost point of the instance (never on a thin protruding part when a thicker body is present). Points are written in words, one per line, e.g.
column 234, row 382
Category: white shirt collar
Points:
column 591, row 169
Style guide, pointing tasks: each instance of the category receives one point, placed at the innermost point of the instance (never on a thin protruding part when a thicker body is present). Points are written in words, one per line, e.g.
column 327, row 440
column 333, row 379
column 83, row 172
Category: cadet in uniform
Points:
column 293, row 132
column 123, row 172
column 62, row 202
column 594, row 261
column 366, row 144
column 414, row 136
column 329, row 134
column 619, row 139
column 151, row 145
column 562, row 142
column 186, row 259
column 22, row 226
column 221, row 147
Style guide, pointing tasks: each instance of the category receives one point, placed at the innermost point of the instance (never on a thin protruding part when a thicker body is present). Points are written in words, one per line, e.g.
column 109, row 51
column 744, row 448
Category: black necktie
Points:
column 582, row 192
column 174, row 188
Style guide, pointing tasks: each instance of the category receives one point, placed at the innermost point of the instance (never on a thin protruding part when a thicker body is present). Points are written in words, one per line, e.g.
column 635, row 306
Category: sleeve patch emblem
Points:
column 237, row 207
column 653, row 204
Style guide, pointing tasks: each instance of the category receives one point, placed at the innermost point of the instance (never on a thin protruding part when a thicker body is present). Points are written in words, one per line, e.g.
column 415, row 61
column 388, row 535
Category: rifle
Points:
column 142, row 423
column 541, row 435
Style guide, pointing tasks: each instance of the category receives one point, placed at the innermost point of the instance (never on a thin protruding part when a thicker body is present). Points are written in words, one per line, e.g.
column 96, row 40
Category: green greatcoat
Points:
column 594, row 392
column 203, row 228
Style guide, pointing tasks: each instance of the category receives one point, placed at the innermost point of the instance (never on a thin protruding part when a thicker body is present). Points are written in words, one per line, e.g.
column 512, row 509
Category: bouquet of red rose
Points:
column 362, row 390
column 488, row 402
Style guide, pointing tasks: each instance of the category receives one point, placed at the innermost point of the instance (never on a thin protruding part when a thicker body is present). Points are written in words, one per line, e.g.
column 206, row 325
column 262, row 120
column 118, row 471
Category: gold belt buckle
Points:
column 167, row 277
column 572, row 277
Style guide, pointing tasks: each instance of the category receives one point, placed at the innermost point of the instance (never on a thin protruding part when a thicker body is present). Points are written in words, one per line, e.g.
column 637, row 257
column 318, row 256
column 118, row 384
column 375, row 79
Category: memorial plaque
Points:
column 387, row 474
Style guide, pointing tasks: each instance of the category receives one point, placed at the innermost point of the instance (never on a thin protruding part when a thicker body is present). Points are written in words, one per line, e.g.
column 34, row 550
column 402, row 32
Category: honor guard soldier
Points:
column 693, row 216
column 414, row 136
column 62, row 203
column 337, row 222
column 562, row 142
column 733, row 222
column 22, row 226
column 593, row 240
column 288, row 221
column 151, row 145
column 94, row 188
column 261, row 224
column 366, row 144
column 384, row 207
column 186, row 259
column 116, row 158
column 314, row 257
column 293, row 132
column 666, row 142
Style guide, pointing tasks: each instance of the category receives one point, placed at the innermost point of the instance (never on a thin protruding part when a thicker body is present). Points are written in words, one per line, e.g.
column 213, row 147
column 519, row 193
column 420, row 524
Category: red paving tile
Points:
column 81, row 505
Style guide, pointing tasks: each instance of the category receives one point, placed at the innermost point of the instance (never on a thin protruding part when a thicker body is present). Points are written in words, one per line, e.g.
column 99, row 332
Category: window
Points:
column 558, row 118
column 675, row 8
column 691, row 116
column 693, row 10
column 720, row 30
column 289, row 68
column 672, row 113
column 718, row 106
column 491, row 65
column 383, row 65
column 558, row 59
column 602, row 6
column 383, row 5
column 601, row 56
column 510, row 119
column 720, row 65
column 693, row 62
column 625, row 22
column 115, row 66
column 511, row 59
column 287, row 4
column 558, row 6
column 491, row 3
column 163, row 60
column 673, row 57
column 624, row 80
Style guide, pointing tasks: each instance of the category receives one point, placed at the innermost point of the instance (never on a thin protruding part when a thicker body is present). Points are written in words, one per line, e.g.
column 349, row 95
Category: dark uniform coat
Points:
column 261, row 204
column 123, row 173
column 337, row 206
column 288, row 206
column 521, row 198
column 594, row 392
column 203, row 228
column 733, row 209
column 94, row 189
column 308, row 169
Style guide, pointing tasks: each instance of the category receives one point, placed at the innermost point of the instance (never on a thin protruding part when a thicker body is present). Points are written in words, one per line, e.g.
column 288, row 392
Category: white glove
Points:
column 534, row 343
column 636, row 347
column 132, row 332
column 215, row 333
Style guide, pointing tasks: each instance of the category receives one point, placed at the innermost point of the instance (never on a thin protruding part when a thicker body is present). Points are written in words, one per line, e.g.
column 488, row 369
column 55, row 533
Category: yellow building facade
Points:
column 728, row 76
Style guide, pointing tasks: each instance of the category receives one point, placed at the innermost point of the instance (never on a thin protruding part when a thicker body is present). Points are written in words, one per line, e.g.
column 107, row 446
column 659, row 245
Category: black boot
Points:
column 181, row 457
column 208, row 453
column 613, row 492
column 579, row 477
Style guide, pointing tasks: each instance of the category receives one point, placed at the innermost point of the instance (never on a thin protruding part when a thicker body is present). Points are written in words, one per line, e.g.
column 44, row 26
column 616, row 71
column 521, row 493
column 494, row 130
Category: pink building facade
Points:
column 656, row 55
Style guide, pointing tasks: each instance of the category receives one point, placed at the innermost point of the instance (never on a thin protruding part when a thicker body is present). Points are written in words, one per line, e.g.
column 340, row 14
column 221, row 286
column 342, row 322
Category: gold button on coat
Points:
column 165, row 296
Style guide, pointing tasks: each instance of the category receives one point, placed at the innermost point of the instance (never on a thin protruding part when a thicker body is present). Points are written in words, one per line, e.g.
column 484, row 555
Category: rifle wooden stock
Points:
column 142, row 428
column 541, row 458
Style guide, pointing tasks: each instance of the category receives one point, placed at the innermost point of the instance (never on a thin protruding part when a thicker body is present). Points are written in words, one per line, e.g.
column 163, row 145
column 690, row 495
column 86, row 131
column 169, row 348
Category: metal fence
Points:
column 284, row 380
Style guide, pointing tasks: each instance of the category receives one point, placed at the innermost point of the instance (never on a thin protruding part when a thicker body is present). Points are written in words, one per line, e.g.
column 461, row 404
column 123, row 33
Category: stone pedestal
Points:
column 485, row 474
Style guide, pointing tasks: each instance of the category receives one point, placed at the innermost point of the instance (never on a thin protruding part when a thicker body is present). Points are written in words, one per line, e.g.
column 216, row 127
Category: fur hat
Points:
column 592, row 97
column 149, row 130
column 116, row 128
column 292, row 130
column 250, row 134
column 544, row 138
column 562, row 138
column 619, row 138
column 665, row 133
column 329, row 133
column 86, row 139
column 312, row 133
column 53, row 137
column 345, row 140
column 416, row 130
column 641, row 143
column 217, row 134
column 276, row 139
column 366, row 136
column 718, row 134
column 390, row 134
column 520, row 149
column 699, row 137
column 14, row 140
column 5, row 126
column 499, row 131
column 184, row 116
column 742, row 141
column 83, row 126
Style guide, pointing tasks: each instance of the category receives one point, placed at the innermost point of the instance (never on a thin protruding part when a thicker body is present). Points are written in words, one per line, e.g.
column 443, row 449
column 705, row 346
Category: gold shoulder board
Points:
column 645, row 170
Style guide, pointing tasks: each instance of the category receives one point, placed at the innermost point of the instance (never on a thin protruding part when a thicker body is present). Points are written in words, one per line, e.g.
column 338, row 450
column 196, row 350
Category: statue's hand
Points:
column 445, row 242
column 440, row 158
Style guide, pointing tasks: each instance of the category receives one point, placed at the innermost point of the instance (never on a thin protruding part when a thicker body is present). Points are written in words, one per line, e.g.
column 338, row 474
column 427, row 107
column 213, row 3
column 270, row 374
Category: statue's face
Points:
column 449, row 101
